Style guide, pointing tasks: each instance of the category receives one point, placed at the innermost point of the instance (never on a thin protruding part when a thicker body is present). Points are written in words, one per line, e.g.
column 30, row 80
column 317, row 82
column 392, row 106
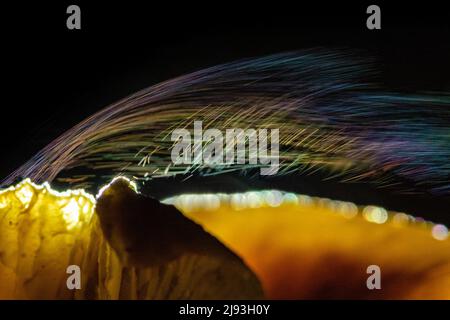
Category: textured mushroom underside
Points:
column 43, row 232
column 129, row 246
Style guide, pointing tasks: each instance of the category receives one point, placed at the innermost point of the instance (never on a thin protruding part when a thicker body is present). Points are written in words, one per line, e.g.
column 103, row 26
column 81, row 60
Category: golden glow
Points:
column 42, row 231
column 73, row 203
column 25, row 194
column 296, row 244
column 375, row 214
column 71, row 213
column 440, row 232
column 131, row 183
column 307, row 244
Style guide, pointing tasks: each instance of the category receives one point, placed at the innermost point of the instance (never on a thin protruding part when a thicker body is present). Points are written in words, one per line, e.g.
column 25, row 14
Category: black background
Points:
column 54, row 77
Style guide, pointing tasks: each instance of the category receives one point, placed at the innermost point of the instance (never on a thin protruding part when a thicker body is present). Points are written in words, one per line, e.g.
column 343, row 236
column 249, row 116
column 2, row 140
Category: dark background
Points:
column 54, row 77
